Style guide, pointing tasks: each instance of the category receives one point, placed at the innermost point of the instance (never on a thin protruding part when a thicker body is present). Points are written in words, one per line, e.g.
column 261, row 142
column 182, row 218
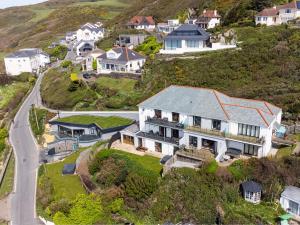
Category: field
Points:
column 9, row 92
column 104, row 122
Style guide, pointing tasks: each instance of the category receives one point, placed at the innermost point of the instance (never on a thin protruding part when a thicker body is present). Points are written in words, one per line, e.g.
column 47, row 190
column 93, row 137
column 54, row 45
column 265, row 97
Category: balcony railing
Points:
column 158, row 137
column 164, row 122
column 225, row 135
column 199, row 154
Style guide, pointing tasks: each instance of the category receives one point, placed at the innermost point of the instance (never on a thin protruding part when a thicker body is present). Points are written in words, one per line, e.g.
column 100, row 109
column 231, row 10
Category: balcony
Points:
column 211, row 132
column 220, row 134
column 203, row 154
column 156, row 136
column 164, row 122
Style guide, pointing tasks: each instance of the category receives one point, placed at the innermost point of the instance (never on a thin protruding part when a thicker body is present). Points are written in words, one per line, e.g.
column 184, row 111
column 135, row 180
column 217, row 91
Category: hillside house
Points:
column 130, row 40
column 251, row 191
column 120, row 60
column 290, row 200
column 71, row 36
column 201, row 119
column 168, row 27
column 89, row 32
column 208, row 19
column 141, row 23
column 29, row 60
column 84, row 47
column 87, row 64
column 278, row 14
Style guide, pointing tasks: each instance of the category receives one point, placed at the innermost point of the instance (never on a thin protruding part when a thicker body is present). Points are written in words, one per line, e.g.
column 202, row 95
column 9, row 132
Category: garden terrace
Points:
column 102, row 122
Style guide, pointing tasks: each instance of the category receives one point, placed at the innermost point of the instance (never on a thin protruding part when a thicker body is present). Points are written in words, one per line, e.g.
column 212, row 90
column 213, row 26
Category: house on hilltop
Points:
column 90, row 32
column 142, row 23
column 208, row 19
column 120, row 60
column 278, row 14
column 29, row 60
column 194, row 121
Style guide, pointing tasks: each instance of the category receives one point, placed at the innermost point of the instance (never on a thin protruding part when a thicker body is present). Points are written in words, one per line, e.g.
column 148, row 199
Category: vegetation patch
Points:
column 103, row 122
column 8, row 179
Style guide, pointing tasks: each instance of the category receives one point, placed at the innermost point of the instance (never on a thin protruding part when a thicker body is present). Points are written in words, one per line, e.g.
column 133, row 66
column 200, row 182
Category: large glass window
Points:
column 293, row 206
column 172, row 44
column 192, row 44
column 193, row 141
column 250, row 149
column 216, row 124
column 248, row 130
column 197, row 121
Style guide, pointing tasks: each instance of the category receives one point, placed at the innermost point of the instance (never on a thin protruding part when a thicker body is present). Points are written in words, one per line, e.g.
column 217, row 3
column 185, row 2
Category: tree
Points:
column 86, row 209
column 259, row 5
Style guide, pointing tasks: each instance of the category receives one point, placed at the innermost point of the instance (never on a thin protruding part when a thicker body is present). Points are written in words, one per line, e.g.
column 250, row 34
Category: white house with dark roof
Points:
column 90, row 32
column 201, row 119
column 290, row 200
column 29, row 60
column 120, row 60
column 190, row 38
column 84, row 47
column 278, row 14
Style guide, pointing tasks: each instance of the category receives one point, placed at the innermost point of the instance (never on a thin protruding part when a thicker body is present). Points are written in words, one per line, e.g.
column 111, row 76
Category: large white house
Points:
column 168, row 27
column 278, row 14
column 121, row 60
column 29, row 60
column 208, row 19
column 142, row 23
column 90, row 32
column 201, row 119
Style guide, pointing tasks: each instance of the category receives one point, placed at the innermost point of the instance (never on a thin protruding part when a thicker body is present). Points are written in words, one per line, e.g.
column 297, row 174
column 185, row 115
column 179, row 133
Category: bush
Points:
column 62, row 205
column 59, row 52
column 66, row 64
column 73, row 86
column 117, row 205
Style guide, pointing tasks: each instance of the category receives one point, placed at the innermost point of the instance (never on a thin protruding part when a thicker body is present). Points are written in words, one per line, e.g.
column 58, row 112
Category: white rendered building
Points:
column 142, row 23
column 209, row 19
column 90, row 32
column 198, row 118
column 121, row 60
column 29, row 60
column 168, row 27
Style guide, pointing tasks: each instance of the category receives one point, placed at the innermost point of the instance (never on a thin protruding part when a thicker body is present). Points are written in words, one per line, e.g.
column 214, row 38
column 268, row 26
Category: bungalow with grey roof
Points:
column 120, row 60
column 201, row 120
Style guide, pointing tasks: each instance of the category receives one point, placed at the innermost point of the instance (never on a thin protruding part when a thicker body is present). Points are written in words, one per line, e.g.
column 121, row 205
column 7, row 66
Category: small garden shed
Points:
column 251, row 191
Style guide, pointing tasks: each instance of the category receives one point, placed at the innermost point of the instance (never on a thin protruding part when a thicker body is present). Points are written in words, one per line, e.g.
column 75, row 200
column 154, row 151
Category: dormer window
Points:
column 157, row 113
column 175, row 117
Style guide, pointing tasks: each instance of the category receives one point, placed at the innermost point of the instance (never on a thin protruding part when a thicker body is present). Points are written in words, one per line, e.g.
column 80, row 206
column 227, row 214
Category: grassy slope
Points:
column 67, row 186
column 8, row 180
column 104, row 122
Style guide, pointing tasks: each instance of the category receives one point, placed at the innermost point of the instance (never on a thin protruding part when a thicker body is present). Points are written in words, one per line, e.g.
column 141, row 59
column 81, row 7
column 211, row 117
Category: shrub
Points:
column 66, row 64
column 62, row 205
column 59, row 52
column 117, row 205
column 212, row 167
column 237, row 169
column 73, row 86
column 74, row 77
column 2, row 145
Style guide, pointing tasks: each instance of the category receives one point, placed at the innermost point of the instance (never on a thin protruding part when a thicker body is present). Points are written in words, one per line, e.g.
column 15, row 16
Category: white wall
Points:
column 213, row 23
column 87, row 35
column 16, row 66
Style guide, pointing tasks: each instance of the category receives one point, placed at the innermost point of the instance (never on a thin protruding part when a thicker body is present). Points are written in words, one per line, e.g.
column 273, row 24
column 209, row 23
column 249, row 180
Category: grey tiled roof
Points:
column 126, row 55
column 212, row 104
column 92, row 28
column 251, row 186
column 29, row 52
column 292, row 193
column 189, row 32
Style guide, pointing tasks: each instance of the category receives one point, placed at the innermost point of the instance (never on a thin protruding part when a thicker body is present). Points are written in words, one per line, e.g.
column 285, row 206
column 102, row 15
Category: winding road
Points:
column 23, row 197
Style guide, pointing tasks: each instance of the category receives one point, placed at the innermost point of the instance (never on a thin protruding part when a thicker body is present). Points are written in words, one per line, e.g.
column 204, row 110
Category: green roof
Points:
column 101, row 121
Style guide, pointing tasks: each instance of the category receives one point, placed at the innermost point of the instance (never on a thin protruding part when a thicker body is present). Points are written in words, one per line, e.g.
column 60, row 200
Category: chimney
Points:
column 215, row 12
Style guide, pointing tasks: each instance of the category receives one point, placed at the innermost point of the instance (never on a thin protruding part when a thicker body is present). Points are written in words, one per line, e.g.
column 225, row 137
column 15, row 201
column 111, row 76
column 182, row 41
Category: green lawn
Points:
column 286, row 151
column 150, row 163
column 8, row 180
column 123, row 85
column 104, row 122
column 67, row 186
column 8, row 92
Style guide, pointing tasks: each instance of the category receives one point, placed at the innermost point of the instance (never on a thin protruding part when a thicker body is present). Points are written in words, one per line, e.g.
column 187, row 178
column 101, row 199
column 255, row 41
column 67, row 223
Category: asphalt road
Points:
column 23, row 211
column 26, row 154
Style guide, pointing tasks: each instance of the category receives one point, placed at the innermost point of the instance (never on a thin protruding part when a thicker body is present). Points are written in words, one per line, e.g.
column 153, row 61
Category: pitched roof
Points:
column 275, row 10
column 292, row 193
column 251, row 186
column 210, row 14
column 92, row 27
column 189, row 32
column 26, row 52
column 141, row 20
column 212, row 104
column 125, row 56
